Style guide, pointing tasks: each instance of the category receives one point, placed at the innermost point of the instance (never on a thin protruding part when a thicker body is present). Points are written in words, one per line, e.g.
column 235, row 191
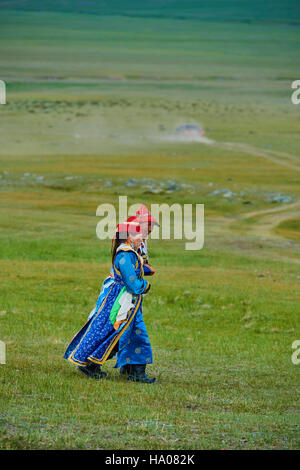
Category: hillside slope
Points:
column 277, row 11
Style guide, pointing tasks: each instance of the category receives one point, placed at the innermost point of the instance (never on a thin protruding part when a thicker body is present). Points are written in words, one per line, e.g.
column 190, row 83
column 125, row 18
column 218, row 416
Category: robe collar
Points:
column 126, row 247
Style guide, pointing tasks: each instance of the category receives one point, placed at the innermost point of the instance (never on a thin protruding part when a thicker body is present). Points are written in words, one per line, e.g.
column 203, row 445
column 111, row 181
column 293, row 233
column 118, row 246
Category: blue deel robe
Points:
column 109, row 280
column 97, row 340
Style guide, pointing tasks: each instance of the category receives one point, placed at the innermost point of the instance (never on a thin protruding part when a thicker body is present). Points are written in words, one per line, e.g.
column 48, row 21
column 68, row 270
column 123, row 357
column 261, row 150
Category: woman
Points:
column 106, row 333
column 144, row 218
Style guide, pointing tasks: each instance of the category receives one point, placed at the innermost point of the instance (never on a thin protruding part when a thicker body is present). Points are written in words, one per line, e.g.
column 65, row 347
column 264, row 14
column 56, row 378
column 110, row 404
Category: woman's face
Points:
column 146, row 228
column 136, row 240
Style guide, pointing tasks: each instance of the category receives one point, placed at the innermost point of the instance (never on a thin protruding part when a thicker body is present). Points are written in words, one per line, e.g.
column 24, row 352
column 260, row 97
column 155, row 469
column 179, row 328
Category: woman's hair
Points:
column 120, row 238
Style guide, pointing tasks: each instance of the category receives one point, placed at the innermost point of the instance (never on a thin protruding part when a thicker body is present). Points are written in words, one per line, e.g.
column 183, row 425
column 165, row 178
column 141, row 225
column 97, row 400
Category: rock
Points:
column 226, row 192
column 278, row 198
column 152, row 191
column 216, row 192
column 284, row 199
column 130, row 182
column 186, row 293
column 173, row 187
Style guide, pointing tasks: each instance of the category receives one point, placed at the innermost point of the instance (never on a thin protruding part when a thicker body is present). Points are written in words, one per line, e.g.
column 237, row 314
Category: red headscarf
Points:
column 144, row 215
column 130, row 226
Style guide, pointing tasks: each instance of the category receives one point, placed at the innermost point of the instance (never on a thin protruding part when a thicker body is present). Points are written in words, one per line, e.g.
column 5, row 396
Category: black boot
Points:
column 138, row 374
column 93, row 371
column 125, row 370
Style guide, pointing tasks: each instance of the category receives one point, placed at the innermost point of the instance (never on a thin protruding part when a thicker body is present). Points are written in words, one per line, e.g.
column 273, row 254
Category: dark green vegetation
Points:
column 92, row 105
column 241, row 11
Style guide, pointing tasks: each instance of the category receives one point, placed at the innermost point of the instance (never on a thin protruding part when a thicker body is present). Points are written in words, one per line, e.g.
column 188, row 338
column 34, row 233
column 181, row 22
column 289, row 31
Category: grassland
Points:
column 92, row 104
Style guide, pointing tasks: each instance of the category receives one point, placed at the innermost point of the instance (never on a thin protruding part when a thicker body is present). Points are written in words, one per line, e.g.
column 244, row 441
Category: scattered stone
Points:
column 131, row 182
column 186, row 293
column 279, row 198
column 217, row 191
column 246, row 317
column 152, row 191
column 225, row 192
column 192, row 406
column 173, row 187
column 196, row 314
column 228, row 194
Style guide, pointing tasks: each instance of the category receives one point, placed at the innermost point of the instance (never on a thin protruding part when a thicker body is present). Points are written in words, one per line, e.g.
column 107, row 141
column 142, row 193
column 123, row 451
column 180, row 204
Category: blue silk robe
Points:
column 98, row 339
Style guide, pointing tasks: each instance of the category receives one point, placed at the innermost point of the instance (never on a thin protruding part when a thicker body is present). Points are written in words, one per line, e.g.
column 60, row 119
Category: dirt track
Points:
column 268, row 154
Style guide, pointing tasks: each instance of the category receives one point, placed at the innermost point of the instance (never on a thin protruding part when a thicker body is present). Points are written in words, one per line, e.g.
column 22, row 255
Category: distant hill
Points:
column 272, row 11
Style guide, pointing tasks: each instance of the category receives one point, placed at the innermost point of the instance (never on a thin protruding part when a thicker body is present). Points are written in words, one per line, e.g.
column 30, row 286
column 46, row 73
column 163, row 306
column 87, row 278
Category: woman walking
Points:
column 118, row 325
column 144, row 218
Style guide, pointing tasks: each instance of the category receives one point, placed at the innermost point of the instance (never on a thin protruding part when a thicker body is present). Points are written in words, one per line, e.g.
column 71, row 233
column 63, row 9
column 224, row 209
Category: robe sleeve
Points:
column 125, row 262
column 148, row 270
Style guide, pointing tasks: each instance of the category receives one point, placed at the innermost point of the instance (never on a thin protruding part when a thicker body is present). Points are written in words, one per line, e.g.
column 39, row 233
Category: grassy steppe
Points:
column 93, row 101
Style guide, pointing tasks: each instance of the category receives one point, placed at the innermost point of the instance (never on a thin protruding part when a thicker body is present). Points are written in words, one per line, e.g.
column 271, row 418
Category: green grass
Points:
column 289, row 228
column 93, row 101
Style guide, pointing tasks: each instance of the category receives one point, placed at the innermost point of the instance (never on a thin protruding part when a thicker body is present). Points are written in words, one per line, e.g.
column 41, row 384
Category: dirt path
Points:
column 268, row 219
column 266, row 223
column 268, row 154
column 285, row 208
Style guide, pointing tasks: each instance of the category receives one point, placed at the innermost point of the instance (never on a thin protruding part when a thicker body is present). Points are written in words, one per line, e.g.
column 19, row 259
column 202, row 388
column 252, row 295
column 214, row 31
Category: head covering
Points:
column 142, row 210
column 132, row 218
column 144, row 215
column 129, row 227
